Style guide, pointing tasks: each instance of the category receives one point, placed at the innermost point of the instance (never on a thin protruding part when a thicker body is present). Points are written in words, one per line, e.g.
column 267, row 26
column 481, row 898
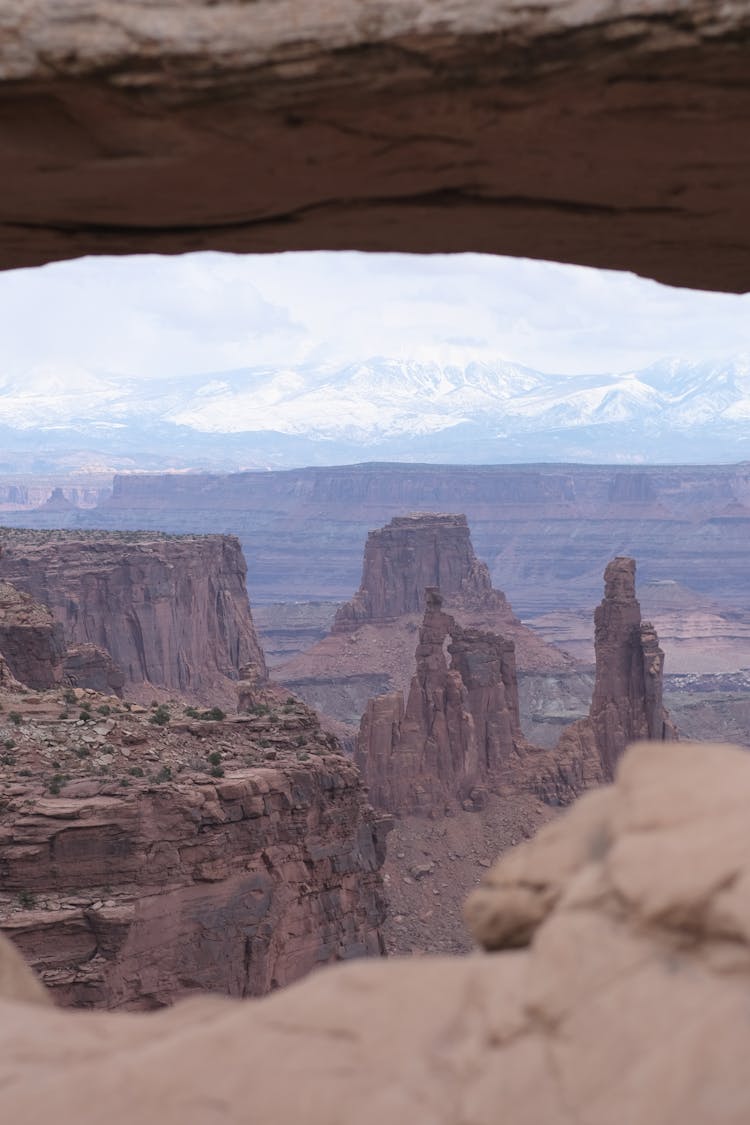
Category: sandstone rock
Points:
column 30, row 639
column 408, row 555
column 370, row 648
column 17, row 981
column 171, row 611
column 238, row 885
column 270, row 126
column 619, row 996
column 89, row 666
column 460, row 724
column 627, row 700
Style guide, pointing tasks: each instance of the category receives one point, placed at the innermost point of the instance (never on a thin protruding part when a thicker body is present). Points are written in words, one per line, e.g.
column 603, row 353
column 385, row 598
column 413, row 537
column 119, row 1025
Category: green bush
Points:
column 160, row 716
column 15, row 718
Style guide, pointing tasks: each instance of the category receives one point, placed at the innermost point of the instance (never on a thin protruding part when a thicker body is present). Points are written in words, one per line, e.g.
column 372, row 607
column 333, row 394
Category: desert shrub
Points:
column 216, row 771
column 69, row 695
column 15, row 718
column 160, row 716
column 214, row 758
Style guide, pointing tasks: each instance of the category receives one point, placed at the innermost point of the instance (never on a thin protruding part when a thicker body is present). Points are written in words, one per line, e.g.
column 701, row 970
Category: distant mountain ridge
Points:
column 380, row 408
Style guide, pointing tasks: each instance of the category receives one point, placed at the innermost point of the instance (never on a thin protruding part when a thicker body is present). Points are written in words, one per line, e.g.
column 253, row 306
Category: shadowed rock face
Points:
column 170, row 611
column 280, row 126
column 88, row 666
column 30, row 639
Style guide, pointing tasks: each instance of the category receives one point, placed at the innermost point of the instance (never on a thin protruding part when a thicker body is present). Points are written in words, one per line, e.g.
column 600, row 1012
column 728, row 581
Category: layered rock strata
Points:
column 146, row 857
column 170, row 611
column 616, row 992
column 371, row 644
column 88, row 666
column 459, row 727
column 31, row 641
column 408, row 555
column 274, row 126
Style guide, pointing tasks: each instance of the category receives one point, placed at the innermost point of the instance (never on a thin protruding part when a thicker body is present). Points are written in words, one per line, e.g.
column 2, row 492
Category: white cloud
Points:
column 151, row 316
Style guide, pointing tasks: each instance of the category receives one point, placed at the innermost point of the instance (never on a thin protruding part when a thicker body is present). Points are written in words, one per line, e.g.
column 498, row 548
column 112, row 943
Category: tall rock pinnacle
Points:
column 459, row 731
column 459, row 725
column 627, row 700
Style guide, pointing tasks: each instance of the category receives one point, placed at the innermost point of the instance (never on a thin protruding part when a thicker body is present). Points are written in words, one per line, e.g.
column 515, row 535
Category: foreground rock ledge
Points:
column 611, row 132
column 626, row 1000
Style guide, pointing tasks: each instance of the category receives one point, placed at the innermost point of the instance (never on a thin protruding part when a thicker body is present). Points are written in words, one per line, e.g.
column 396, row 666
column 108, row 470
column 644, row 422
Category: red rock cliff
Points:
column 170, row 610
column 30, row 639
column 627, row 701
column 408, row 555
column 128, row 888
column 459, row 727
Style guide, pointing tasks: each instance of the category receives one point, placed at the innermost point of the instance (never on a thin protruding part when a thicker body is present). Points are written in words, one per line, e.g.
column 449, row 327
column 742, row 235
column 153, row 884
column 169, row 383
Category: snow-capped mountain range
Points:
column 379, row 409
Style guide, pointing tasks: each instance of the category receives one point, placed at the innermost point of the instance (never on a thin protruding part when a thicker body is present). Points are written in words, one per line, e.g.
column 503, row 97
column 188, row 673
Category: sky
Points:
column 154, row 316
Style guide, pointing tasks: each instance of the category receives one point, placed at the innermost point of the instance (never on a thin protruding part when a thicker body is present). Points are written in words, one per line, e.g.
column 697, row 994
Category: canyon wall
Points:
column 545, row 531
column 615, row 992
column 170, row 611
column 31, row 641
column 143, row 860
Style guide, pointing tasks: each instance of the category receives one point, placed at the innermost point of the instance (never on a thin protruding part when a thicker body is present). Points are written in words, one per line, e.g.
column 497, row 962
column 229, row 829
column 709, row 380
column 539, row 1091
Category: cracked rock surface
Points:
column 610, row 132
column 618, row 992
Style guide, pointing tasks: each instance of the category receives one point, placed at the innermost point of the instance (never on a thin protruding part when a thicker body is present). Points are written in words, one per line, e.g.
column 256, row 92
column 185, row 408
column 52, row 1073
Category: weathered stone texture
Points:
column 237, row 885
column 618, row 993
column 460, row 725
column 88, row 666
column 611, row 132
column 460, row 729
column 410, row 554
column 170, row 610
column 31, row 641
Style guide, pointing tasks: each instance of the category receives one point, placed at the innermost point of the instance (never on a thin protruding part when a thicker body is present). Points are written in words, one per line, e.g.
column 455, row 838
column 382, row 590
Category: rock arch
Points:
column 611, row 133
